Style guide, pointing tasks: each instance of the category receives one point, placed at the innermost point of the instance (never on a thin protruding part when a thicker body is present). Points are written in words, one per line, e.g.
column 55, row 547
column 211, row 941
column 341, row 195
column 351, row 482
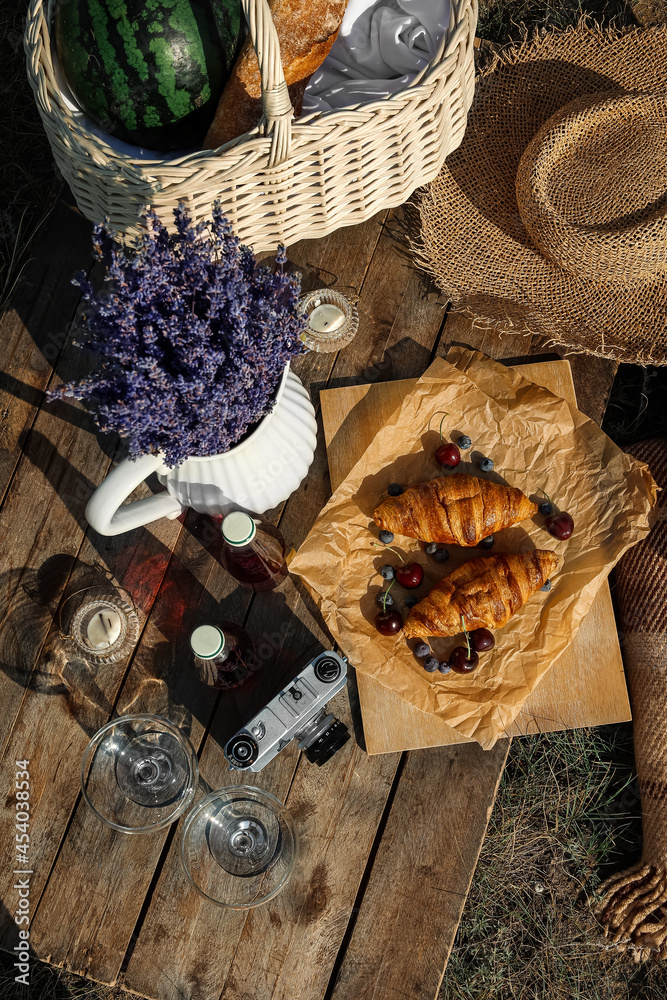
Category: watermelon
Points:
column 149, row 72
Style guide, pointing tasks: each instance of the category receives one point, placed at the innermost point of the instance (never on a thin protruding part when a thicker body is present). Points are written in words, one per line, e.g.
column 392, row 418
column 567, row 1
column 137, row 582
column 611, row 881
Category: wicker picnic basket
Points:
column 288, row 178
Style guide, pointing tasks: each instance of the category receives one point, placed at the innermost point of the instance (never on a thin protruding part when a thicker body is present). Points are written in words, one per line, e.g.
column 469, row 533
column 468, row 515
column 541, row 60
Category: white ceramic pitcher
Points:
column 258, row 473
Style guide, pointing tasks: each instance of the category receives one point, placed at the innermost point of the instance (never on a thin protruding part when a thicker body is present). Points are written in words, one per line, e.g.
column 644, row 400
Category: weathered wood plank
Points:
column 34, row 327
column 593, row 379
column 341, row 260
column 186, row 944
column 460, row 330
column 403, row 933
column 337, row 809
column 400, row 318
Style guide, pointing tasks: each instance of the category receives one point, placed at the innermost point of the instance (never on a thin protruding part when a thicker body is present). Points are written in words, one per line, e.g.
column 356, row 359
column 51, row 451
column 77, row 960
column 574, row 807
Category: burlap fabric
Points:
column 608, row 231
column 634, row 903
column 593, row 190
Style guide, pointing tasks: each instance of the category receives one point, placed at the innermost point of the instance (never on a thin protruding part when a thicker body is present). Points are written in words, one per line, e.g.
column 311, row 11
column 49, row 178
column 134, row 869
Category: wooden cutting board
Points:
column 586, row 687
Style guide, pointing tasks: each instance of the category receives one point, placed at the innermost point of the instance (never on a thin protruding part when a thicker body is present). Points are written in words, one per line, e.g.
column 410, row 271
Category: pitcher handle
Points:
column 105, row 512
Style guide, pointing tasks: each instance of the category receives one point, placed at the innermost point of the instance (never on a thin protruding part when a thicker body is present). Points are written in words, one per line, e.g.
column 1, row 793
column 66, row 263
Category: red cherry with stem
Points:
column 482, row 640
column 461, row 661
column 560, row 525
column 409, row 576
column 448, row 455
column 388, row 622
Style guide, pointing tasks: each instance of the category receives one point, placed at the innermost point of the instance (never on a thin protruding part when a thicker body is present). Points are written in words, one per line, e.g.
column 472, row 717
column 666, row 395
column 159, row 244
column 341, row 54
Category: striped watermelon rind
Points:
column 149, row 72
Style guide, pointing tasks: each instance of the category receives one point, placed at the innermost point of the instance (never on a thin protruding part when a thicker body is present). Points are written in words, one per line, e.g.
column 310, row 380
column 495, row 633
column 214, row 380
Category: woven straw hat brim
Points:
column 473, row 241
column 591, row 187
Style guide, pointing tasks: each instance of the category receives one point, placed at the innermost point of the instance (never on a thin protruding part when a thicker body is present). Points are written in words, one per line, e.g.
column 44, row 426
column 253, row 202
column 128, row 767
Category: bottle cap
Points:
column 207, row 641
column 238, row 528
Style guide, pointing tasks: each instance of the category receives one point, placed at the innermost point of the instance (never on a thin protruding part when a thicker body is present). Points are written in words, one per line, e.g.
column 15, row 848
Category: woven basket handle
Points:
column 277, row 110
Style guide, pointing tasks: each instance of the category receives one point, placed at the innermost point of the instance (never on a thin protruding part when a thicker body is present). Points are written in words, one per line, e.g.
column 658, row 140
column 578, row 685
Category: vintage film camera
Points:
column 298, row 712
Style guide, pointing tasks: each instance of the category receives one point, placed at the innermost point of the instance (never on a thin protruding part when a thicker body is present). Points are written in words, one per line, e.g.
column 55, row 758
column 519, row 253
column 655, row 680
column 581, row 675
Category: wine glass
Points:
column 139, row 773
column 238, row 847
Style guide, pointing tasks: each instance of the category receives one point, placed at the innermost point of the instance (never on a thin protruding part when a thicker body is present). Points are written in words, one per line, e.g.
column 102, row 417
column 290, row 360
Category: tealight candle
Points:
column 326, row 318
column 104, row 628
column 332, row 320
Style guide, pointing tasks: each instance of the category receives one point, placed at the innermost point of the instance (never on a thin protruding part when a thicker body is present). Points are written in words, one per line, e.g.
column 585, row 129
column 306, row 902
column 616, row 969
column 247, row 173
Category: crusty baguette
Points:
column 456, row 510
column 487, row 591
column 306, row 31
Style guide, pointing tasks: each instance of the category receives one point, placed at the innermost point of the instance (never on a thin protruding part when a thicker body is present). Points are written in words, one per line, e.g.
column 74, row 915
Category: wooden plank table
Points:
column 388, row 843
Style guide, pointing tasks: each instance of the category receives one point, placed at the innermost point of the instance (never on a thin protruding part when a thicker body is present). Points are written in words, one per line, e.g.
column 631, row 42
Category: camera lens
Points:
column 242, row 751
column 324, row 739
column 327, row 670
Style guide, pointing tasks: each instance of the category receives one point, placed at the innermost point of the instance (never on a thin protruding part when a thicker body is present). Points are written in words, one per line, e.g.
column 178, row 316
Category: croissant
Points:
column 487, row 591
column 458, row 510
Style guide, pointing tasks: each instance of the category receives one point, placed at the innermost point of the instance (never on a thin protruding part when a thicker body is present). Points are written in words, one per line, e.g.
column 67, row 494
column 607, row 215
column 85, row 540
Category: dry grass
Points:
column 567, row 815
column 503, row 21
column 27, row 176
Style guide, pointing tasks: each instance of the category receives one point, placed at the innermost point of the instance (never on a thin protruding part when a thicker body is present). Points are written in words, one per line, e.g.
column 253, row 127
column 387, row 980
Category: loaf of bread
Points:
column 456, row 510
column 487, row 591
column 306, row 31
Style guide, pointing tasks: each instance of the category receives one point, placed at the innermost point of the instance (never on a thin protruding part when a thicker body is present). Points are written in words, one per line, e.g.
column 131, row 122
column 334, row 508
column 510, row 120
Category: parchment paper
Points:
column 537, row 441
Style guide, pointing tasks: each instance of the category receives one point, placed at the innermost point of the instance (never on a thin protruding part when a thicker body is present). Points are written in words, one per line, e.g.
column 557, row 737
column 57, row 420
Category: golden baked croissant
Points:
column 487, row 591
column 458, row 510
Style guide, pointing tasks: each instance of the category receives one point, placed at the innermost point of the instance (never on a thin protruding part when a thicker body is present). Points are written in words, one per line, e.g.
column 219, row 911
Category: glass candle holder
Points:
column 104, row 627
column 333, row 320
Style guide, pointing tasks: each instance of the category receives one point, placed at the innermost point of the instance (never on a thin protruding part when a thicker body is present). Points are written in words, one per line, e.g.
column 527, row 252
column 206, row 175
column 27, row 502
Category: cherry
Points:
column 388, row 622
column 482, row 640
column 461, row 662
column 448, row 455
column 560, row 525
column 409, row 576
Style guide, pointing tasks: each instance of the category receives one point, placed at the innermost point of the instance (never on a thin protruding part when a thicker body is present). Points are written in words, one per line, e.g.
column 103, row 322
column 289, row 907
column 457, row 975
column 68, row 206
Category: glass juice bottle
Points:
column 253, row 551
column 224, row 655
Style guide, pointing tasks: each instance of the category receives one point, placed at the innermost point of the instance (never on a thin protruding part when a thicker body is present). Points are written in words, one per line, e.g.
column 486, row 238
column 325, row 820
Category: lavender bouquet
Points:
column 192, row 335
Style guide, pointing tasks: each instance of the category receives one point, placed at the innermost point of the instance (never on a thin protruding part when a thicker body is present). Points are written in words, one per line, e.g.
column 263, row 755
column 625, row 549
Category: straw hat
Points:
column 551, row 217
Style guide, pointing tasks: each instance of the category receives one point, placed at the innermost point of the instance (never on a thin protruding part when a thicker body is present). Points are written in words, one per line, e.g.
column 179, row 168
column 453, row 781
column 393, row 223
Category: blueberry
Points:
column 386, row 537
column 387, row 572
column 395, row 489
column 546, row 508
column 422, row 649
column 431, row 665
column 487, row 543
column 547, row 585
column 441, row 555
column 486, row 465
column 411, row 601
column 384, row 599
column 464, row 442
column 431, row 548
column 444, row 667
